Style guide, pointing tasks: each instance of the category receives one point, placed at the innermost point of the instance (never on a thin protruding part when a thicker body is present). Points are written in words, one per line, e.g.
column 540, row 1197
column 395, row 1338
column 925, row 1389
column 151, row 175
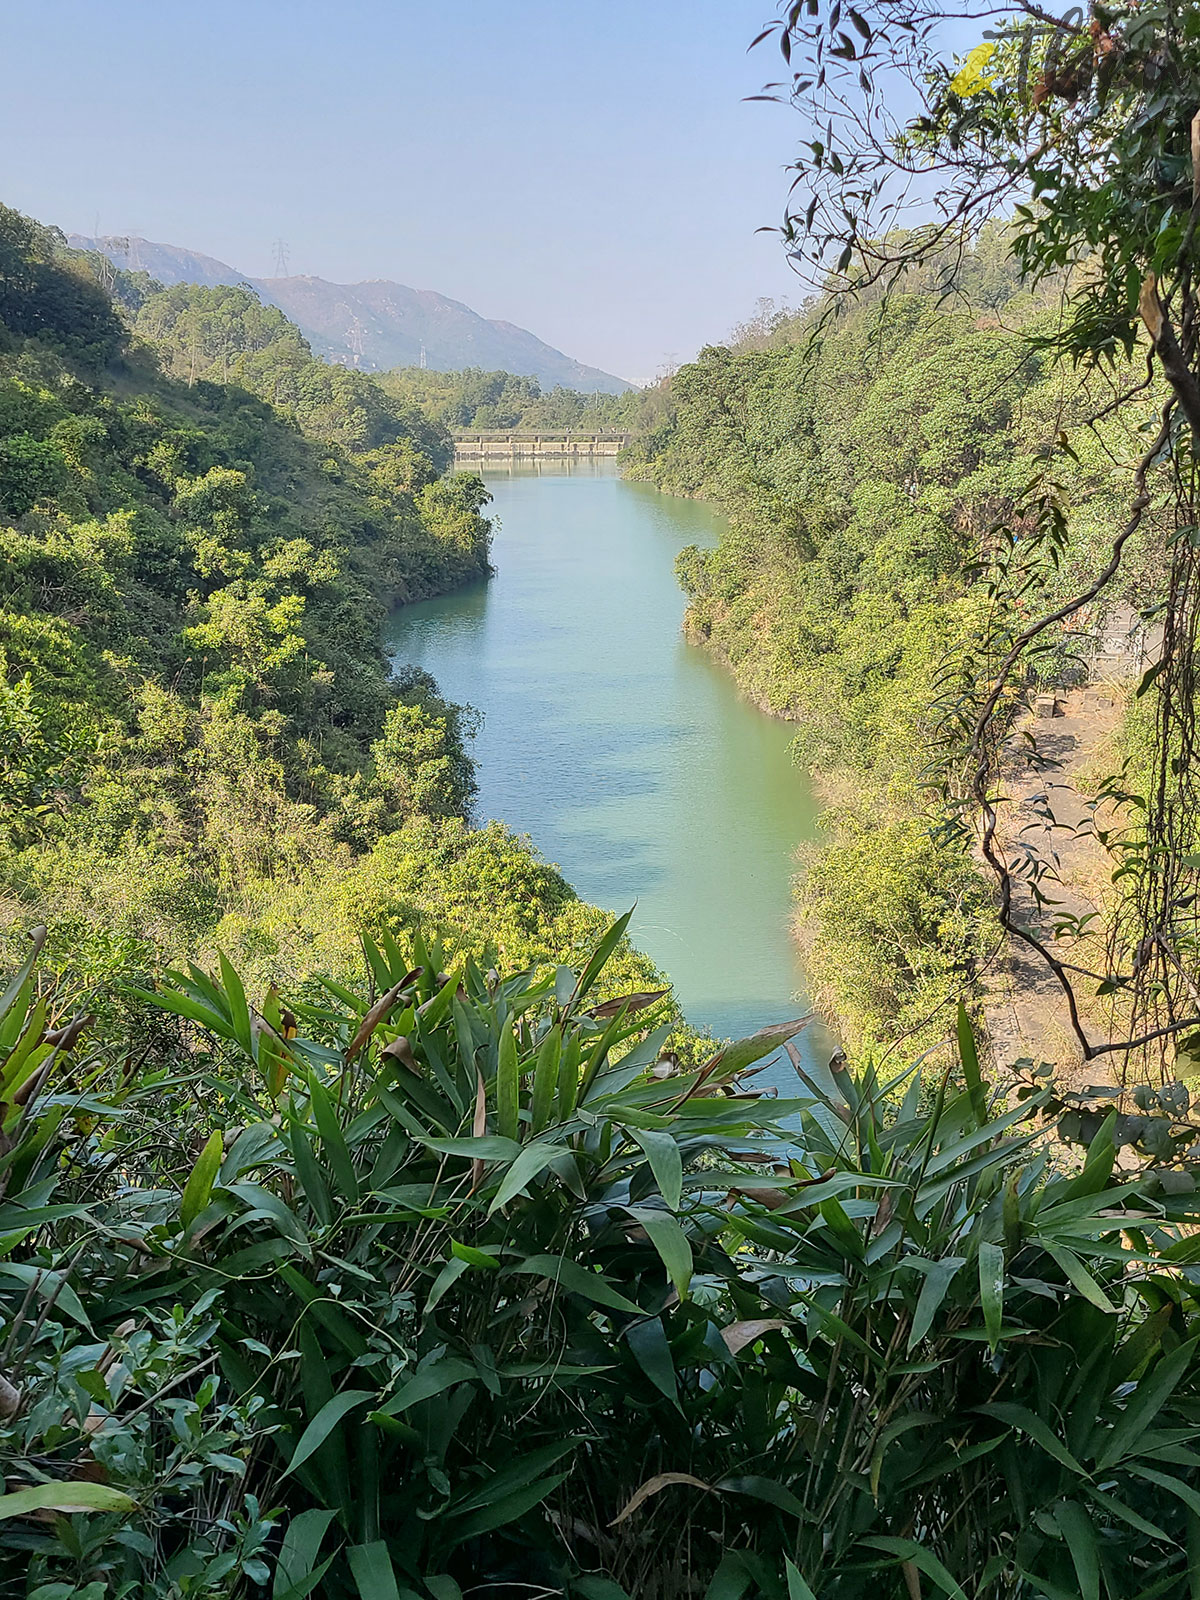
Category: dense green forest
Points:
column 203, row 530
column 865, row 455
column 486, row 400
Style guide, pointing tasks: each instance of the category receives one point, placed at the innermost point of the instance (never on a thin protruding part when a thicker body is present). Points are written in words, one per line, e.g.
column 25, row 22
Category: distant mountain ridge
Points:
column 372, row 325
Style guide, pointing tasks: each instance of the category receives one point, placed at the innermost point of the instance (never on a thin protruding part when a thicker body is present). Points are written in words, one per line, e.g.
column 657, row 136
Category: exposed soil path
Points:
column 1024, row 1007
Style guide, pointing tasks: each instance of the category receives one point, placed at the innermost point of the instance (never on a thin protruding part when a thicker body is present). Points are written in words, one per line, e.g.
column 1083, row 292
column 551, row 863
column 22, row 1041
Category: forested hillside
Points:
column 867, row 456
column 203, row 529
column 473, row 398
column 374, row 325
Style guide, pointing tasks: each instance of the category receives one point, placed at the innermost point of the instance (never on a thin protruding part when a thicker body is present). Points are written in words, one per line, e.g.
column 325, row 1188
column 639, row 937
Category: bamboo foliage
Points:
column 466, row 1293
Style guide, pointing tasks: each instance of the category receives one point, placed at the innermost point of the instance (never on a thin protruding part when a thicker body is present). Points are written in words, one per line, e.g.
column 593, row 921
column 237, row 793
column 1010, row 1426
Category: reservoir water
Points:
column 625, row 753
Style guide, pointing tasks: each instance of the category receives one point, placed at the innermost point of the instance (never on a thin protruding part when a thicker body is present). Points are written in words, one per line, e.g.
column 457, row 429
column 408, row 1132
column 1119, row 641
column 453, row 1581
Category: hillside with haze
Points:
column 373, row 325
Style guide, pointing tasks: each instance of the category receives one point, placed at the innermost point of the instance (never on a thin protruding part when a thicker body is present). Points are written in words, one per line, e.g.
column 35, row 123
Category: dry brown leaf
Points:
column 661, row 1480
column 630, row 1002
column 478, row 1126
column 737, row 1335
column 380, row 1010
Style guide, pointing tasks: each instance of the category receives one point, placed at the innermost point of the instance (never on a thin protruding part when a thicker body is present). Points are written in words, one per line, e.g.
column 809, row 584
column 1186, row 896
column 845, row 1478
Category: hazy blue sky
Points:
column 591, row 172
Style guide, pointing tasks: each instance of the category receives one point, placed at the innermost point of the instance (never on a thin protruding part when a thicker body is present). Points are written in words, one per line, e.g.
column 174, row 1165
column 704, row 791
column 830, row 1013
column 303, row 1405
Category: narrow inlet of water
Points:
column 625, row 753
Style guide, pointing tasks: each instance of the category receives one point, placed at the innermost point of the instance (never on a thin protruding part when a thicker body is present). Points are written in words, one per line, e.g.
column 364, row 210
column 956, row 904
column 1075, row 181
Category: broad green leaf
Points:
column 1117, row 1508
column 472, row 1256
column 198, row 1189
column 1025, row 1420
column 593, row 1587
column 730, row 1581
column 669, row 1239
column 445, row 1280
column 442, row 1587
column 333, row 1139
column 323, row 1424
column 485, row 1147
column 600, row 956
column 64, row 1497
column 235, row 999
column 991, row 1289
column 924, row 1560
column 523, row 1471
column 666, row 1163
column 373, row 1574
column 533, row 1159
column 652, row 1351
column 577, row 1279
column 545, row 1079
column 507, row 1509
column 769, row 1492
column 262, row 1203
column 298, row 1554
column 1078, row 1275
column 797, row 1588
column 969, row 1057
column 1146, row 1401
column 508, row 1083
column 631, row 1066
column 1175, row 1486
column 308, row 1171
column 427, row 1381
column 939, row 1275
column 1080, row 1535
column 50, row 1286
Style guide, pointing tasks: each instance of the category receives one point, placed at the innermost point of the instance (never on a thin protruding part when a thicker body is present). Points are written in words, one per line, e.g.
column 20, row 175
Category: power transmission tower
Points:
column 424, row 362
column 281, row 254
column 355, row 334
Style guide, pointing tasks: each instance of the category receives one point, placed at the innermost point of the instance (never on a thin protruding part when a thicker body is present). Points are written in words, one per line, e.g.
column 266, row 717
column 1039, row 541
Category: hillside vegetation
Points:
column 473, row 398
column 372, row 325
column 867, row 457
column 203, row 529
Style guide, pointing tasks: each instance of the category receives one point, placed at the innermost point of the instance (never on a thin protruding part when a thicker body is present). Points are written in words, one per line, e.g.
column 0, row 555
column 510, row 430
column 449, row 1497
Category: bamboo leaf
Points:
column 797, row 1588
column 969, row 1057
column 656, row 1485
column 323, row 1424
column 925, row 1560
column 669, row 1239
column 1080, row 1535
column 1079, row 1276
column 576, row 1279
column 507, row 1085
column 198, row 1189
column 1027, row 1422
column 652, row 1352
column 666, row 1163
column 533, row 1159
column 545, row 1079
column 333, row 1139
column 1146, row 1401
column 509, row 1508
column 599, row 959
column 427, row 1381
column 374, row 1577
column 298, row 1553
column 991, row 1289
column 938, row 1278
column 64, row 1497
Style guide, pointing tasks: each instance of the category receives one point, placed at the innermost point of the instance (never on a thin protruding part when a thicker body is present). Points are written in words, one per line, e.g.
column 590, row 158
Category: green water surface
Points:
column 625, row 753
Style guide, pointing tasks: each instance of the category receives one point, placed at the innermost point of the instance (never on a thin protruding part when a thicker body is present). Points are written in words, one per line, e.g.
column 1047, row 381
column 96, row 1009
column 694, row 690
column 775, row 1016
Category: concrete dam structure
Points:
column 514, row 445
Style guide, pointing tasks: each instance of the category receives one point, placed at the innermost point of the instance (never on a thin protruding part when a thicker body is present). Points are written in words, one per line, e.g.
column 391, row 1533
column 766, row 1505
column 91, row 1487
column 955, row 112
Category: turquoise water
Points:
column 626, row 754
